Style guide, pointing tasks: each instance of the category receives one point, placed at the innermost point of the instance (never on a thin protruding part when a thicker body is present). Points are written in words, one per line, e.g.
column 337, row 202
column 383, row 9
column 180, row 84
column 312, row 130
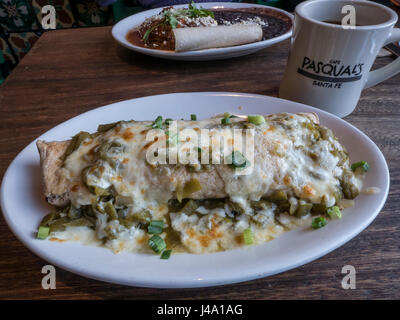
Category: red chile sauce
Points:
column 278, row 23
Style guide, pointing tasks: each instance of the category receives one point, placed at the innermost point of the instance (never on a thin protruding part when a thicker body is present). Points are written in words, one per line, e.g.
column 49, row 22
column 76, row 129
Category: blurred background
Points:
column 20, row 20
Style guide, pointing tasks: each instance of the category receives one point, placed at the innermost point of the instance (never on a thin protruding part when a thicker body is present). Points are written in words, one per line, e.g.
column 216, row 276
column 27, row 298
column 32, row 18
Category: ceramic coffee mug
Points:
column 329, row 62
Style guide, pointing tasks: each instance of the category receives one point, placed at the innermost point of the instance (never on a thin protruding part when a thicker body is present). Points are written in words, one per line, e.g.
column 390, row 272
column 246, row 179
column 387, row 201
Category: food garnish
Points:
column 361, row 164
column 318, row 222
column 248, row 237
column 174, row 17
column 157, row 244
column 257, row 120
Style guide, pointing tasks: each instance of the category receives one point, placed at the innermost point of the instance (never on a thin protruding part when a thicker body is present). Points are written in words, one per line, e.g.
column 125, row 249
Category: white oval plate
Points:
column 23, row 204
column 120, row 30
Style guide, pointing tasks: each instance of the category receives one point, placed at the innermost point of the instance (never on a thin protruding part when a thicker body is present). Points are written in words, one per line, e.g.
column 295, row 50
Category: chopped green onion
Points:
column 43, row 232
column 334, row 212
column 168, row 121
column 248, row 236
column 238, row 160
column 193, row 117
column 318, row 222
column 166, row 254
column 157, row 244
column 363, row 164
column 157, row 124
column 225, row 121
column 173, row 139
column 257, row 120
column 155, row 227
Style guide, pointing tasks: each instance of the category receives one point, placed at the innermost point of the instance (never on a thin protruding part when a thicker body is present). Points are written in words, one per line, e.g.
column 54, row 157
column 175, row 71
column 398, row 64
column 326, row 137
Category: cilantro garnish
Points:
column 172, row 16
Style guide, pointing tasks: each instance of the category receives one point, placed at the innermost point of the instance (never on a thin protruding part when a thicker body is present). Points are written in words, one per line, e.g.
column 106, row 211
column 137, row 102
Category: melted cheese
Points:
column 287, row 156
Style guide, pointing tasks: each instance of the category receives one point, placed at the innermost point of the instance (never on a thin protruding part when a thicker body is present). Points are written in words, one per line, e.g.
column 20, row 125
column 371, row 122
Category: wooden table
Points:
column 71, row 71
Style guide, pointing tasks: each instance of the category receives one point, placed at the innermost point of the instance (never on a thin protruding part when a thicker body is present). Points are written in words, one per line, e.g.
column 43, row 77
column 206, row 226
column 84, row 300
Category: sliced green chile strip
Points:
column 318, row 208
column 80, row 222
column 112, row 147
column 110, row 210
column 278, row 196
column 142, row 215
column 234, row 207
column 58, row 225
column 75, row 143
column 190, row 207
column 303, row 209
column 349, row 189
column 106, row 127
column 73, row 213
column 127, row 222
column 192, row 186
column 51, row 217
column 92, row 188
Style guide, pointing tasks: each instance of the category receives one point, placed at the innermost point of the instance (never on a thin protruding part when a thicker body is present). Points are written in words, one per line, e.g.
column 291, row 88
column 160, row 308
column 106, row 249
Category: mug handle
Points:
column 381, row 74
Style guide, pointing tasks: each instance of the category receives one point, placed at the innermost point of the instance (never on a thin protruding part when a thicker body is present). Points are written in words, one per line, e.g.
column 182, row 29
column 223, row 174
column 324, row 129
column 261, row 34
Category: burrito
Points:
column 192, row 28
column 194, row 186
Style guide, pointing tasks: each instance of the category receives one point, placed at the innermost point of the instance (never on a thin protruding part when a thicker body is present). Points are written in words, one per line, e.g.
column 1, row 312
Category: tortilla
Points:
column 197, row 38
column 55, row 188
